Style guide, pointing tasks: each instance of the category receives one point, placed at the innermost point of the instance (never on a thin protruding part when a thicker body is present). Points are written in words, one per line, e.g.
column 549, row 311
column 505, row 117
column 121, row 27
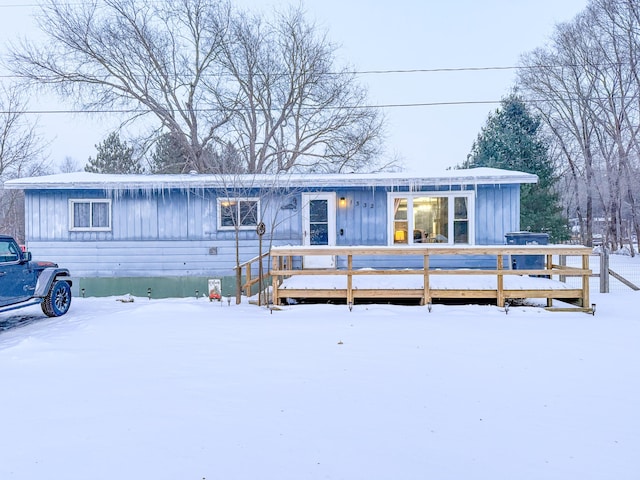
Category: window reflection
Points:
column 421, row 218
column 430, row 219
column 319, row 222
column 460, row 221
column 400, row 221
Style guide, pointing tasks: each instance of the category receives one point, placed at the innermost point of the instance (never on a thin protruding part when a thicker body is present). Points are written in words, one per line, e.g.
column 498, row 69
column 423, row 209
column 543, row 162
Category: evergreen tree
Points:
column 114, row 156
column 168, row 156
column 227, row 160
column 512, row 140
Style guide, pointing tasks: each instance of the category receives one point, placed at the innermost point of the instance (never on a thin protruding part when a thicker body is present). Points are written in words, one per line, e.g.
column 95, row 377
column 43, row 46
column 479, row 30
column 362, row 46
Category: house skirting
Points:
column 159, row 287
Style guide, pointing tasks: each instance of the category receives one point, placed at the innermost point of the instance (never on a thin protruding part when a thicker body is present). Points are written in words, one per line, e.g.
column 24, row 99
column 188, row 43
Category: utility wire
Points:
column 392, row 71
column 359, row 107
column 304, row 108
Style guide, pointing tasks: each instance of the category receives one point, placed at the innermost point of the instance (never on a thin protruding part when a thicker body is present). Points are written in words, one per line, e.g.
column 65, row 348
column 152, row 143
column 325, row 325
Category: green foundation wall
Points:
column 161, row 287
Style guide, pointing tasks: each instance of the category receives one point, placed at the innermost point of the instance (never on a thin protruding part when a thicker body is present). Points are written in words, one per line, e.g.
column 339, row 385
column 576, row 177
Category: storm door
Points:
column 319, row 227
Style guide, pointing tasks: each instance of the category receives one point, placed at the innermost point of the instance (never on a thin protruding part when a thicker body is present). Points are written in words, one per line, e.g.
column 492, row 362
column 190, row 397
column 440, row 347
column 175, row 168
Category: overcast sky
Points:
column 377, row 35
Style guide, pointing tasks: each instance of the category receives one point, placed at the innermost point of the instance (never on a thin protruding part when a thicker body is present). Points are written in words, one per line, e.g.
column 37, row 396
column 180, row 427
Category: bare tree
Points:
column 585, row 83
column 21, row 154
column 620, row 22
column 292, row 111
column 209, row 76
column 154, row 59
column 69, row 165
column 558, row 88
column 247, row 200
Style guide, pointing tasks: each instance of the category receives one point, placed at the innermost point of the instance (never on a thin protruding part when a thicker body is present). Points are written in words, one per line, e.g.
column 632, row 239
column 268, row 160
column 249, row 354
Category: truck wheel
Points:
column 58, row 300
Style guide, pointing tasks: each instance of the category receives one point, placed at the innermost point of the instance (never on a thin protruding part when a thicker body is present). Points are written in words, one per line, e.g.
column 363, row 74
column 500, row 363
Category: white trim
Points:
column 411, row 180
column 90, row 228
column 219, row 202
column 331, row 215
column 319, row 261
column 450, row 195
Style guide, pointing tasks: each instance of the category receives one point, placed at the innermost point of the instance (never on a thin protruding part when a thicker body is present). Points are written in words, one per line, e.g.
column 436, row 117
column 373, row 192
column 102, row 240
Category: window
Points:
column 319, row 222
column 8, row 252
column 430, row 218
column 90, row 215
column 460, row 220
column 238, row 212
column 400, row 221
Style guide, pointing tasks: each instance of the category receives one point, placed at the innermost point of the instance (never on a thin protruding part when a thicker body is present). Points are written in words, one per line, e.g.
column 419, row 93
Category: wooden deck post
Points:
column 426, row 299
column 247, row 281
column 500, row 281
column 585, row 282
column 350, row 280
column 549, row 266
column 274, row 279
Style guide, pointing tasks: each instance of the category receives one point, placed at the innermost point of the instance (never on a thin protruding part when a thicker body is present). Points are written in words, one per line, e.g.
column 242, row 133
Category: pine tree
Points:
column 168, row 156
column 512, row 140
column 114, row 156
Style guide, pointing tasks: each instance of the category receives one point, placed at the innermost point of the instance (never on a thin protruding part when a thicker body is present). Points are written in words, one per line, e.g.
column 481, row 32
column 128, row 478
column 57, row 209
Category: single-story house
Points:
column 171, row 233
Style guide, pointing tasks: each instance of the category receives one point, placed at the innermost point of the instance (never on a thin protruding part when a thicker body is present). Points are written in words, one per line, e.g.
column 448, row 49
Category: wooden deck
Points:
column 426, row 284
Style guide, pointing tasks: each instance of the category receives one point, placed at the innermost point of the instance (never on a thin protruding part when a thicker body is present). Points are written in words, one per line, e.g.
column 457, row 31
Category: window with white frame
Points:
column 242, row 213
column 90, row 215
column 431, row 217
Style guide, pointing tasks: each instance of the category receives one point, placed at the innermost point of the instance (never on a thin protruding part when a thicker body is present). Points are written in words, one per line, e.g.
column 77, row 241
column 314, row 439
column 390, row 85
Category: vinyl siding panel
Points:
column 174, row 232
column 497, row 213
column 144, row 258
column 363, row 221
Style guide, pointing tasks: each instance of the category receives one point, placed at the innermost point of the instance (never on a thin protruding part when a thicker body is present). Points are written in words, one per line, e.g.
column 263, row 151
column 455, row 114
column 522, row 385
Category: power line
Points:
column 138, row 110
column 434, row 69
column 431, row 70
column 308, row 107
column 390, row 71
column 68, row 4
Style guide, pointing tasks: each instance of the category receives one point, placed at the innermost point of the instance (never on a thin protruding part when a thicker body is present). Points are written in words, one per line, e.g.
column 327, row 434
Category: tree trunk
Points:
column 238, row 270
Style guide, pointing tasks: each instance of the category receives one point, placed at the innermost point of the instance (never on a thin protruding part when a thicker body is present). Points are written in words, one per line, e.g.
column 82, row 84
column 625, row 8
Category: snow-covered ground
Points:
column 183, row 389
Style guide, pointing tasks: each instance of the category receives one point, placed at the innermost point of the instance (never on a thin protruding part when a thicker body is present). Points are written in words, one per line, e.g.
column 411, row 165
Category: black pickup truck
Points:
column 25, row 282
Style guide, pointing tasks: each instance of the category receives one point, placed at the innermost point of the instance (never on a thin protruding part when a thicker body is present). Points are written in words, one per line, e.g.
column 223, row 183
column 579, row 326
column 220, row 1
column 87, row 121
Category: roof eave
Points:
column 208, row 181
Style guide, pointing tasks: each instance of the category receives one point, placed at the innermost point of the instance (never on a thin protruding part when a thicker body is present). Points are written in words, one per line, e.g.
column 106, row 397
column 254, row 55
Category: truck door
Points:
column 15, row 285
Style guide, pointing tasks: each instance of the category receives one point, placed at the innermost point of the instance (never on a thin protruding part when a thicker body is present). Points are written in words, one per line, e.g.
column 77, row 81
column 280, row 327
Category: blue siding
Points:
column 497, row 213
column 415, row 261
column 170, row 234
column 144, row 258
column 174, row 232
column 364, row 219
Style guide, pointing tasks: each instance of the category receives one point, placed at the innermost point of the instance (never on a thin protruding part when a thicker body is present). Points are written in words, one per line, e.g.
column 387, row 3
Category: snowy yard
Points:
column 184, row 389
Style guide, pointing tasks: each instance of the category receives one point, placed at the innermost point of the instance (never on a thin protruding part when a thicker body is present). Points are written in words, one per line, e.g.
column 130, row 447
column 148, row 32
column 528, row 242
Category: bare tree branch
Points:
column 210, row 76
column 21, row 155
column 156, row 58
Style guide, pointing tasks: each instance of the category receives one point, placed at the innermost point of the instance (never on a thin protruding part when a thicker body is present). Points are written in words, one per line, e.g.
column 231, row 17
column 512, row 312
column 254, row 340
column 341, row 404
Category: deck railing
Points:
column 249, row 270
column 283, row 259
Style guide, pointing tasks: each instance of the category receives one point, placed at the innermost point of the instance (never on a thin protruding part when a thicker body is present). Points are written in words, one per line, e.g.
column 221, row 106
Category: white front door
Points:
column 319, row 226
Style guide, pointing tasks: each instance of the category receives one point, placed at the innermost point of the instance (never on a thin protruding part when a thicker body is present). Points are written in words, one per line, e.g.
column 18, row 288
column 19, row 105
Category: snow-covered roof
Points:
column 97, row 181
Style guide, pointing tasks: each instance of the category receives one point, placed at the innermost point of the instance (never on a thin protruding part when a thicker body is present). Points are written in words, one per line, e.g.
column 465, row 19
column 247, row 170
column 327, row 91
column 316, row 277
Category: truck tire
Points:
column 58, row 300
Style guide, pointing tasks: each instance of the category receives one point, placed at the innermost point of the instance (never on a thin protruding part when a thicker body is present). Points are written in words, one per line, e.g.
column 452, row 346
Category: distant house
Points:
column 171, row 233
